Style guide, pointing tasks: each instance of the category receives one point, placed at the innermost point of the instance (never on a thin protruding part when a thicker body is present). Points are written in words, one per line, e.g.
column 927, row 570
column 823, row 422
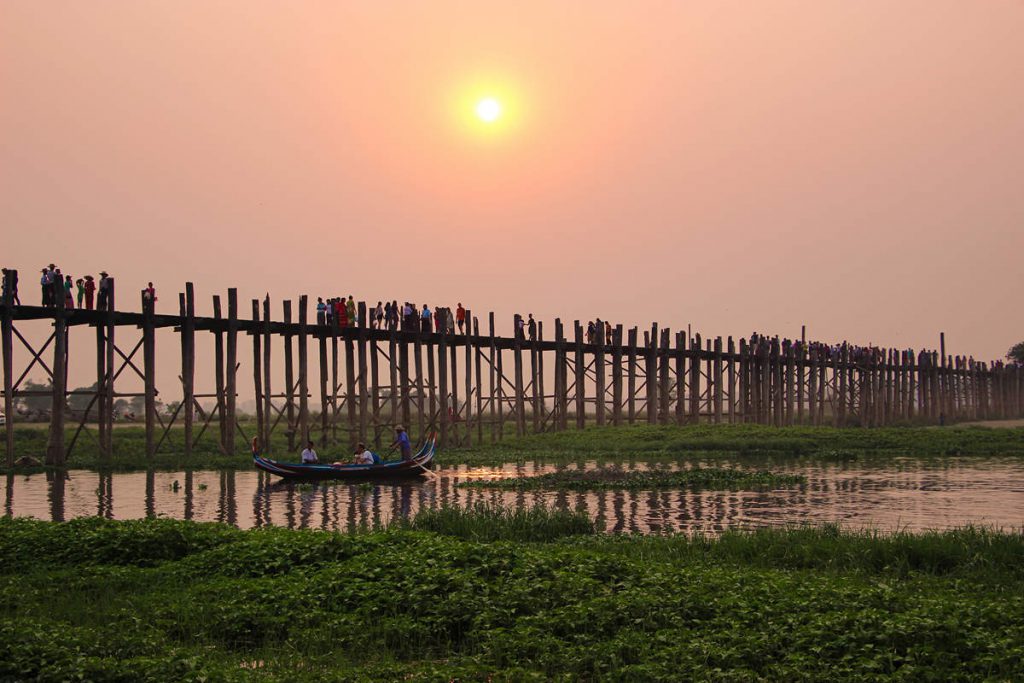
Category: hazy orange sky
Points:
column 852, row 166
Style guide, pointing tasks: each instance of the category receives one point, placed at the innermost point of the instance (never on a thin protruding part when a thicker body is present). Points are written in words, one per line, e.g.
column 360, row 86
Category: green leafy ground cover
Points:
column 667, row 443
column 169, row 600
column 696, row 478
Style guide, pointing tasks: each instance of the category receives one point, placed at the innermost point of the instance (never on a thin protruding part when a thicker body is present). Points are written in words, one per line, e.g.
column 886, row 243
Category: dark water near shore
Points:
column 902, row 494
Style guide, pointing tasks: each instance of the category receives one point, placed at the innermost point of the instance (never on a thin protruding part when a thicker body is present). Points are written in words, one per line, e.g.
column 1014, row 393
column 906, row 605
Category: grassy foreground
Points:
column 668, row 443
column 168, row 600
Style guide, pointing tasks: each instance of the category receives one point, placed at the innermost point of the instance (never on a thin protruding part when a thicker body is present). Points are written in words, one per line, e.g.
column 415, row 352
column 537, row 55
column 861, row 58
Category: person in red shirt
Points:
column 90, row 290
column 460, row 316
column 340, row 313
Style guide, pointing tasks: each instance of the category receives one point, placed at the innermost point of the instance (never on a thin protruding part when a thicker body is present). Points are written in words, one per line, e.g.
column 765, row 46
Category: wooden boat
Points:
column 391, row 469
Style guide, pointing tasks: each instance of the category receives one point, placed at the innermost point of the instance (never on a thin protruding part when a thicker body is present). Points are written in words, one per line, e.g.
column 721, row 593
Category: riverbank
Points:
column 171, row 600
column 667, row 443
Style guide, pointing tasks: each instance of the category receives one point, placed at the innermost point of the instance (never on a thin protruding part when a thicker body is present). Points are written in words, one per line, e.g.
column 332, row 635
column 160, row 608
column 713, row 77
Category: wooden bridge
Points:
column 473, row 387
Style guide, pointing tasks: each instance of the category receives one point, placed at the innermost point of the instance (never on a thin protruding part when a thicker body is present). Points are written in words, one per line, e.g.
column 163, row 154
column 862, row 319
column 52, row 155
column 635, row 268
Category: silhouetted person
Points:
column 103, row 301
column 425, row 317
column 10, row 287
column 90, row 291
column 321, row 311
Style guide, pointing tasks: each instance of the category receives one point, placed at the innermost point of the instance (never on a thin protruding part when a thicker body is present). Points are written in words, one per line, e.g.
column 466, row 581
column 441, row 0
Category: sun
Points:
column 488, row 110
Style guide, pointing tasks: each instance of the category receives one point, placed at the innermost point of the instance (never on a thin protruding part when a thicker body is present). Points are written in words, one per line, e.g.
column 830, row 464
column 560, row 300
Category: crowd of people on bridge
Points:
column 60, row 290
column 389, row 315
column 86, row 292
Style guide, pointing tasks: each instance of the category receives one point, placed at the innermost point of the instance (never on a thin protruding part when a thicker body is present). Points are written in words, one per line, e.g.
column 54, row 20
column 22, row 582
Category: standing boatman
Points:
column 403, row 443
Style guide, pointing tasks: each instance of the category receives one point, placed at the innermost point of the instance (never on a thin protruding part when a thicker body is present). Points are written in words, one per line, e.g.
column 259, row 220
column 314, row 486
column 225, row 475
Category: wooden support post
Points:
column 581, row 394
column 454, row 387
column 790, row 388
column 289, row 375
column 257, row 376
column 730, row 370
column 403, row 378
column 664, row 359
column 101, row 389
column 351, row 399
column 766, row 377
column 540, row 377
column 599, row 383
column 744, row 364
column 325, row 405
column 841, row 367
column 535, row 395
column 303, row 371
column 188, row 364
column 561, row 381
column 911, row 385
column 680, row 358
column 497, row 416
column 617, row 375
column 393, row 374
column 149, row 371
column 431, row 386
column 468, row 417
column 716, row 371
column 108, row 397
column 477, row 353
column 364, row 396
column 778, row 390
column 801, row 363
column 223, row 427
column 520, row 398
column 7, row 342
column 442, row 372
column 631, row 376
column 695, row 358
column 812, row 385
column 55, row 446
column 231, row 370
column 651, row 372
column 335, row 377
column 375, row 403
column 417, row 362
column 268, row 410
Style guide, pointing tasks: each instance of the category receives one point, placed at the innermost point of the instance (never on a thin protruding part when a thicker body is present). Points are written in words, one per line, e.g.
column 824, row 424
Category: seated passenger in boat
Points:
column 363, row 456
column 309, row 455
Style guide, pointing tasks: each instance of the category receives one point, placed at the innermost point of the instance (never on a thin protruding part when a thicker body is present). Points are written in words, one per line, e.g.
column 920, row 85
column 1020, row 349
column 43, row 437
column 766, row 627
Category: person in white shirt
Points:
column 363, row 455
column 309, row 455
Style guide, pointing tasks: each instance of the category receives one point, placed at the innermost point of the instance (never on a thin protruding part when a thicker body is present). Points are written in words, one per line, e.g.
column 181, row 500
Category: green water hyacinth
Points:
column 713, row 478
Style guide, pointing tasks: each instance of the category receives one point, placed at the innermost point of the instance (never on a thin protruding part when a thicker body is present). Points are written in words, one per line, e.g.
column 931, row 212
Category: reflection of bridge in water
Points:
column 907, row 495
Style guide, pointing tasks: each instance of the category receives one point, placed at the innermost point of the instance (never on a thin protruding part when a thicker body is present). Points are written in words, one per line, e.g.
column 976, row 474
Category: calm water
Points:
column 905, row 494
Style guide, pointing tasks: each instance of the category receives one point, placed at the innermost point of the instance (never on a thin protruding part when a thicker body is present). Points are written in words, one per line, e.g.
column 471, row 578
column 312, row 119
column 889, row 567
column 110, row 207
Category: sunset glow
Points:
column 488, row 109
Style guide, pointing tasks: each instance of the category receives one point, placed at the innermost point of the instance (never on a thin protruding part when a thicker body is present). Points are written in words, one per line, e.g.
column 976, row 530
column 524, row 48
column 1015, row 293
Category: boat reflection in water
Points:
column 906, row 494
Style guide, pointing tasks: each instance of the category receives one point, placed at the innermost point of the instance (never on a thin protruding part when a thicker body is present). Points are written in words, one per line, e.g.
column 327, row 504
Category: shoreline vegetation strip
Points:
column 641, row 442
column 170, row 600
column 697, row 478
column 651, row 442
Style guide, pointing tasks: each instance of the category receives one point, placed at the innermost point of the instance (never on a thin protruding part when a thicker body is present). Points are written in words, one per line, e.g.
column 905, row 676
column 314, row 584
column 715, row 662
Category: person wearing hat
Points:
column 104, row 298
column 90, row 290
column 46, row 282
column 403, row 443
